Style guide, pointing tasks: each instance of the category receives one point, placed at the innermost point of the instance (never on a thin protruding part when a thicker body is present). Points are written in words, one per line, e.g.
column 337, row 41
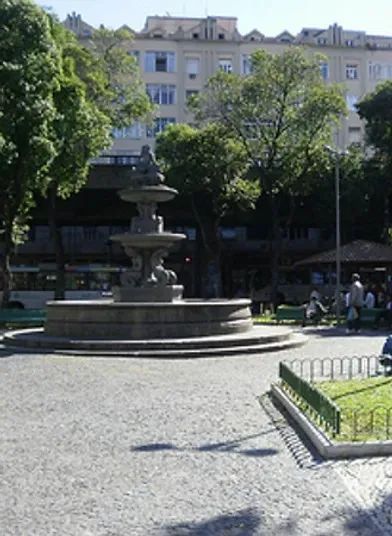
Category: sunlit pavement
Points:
column 150, row 447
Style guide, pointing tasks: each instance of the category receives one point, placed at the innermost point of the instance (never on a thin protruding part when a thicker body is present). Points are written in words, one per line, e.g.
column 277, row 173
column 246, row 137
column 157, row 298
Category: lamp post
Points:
column 337, row 154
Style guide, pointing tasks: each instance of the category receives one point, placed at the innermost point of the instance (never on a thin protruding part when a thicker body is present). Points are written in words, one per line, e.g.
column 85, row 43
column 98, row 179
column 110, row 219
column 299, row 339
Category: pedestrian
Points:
column 355, row 304
column 370, row 299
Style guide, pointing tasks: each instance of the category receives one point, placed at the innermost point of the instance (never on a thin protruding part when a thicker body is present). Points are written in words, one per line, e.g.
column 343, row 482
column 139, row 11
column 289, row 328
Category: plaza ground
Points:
column 144, row 447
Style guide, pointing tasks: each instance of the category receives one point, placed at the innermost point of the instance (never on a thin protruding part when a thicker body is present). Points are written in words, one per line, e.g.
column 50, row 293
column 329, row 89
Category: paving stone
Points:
column 130, row 447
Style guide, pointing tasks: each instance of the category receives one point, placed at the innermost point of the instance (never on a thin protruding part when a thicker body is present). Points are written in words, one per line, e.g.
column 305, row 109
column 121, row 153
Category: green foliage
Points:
column 125, row 98
column 207, row 162
column 82, row 130
column 100, row 88
column 29, row 75
column 208, row 166
column 282, row 114
column 355, row 189
column 376, row 109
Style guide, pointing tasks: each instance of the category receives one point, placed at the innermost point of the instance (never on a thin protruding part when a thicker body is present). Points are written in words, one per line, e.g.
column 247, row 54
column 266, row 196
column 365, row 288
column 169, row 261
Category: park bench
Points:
column 22, row 316
column 371, row 317
column 290, row 312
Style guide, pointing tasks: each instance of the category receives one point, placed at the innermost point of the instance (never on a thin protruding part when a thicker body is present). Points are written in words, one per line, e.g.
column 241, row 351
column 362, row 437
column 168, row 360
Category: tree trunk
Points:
column 275, row 250
column 211, row 275
column 5, row 265
column 58, row 246
column 387, row 219
column 210, row 261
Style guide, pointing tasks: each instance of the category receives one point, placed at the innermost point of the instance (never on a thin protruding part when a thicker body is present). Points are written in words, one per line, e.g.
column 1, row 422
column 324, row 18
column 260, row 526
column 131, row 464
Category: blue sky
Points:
column 269, row 16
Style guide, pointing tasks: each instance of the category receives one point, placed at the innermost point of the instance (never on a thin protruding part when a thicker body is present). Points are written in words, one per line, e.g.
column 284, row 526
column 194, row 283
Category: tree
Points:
column 282, row 114
column 208, row 167
column 100, row 88
column 376, row 109
column 356, row 191
column 28, row 76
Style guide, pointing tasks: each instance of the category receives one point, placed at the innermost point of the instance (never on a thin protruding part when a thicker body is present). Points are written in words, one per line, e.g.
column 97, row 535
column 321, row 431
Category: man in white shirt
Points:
column 355, row 302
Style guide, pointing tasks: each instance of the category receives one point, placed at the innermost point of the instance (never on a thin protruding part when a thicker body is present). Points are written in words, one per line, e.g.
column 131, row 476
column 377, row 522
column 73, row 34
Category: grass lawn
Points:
column 366, row 407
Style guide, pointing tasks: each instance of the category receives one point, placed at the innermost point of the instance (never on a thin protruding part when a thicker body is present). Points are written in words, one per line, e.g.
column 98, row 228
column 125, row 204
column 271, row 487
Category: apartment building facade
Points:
column 177, row 55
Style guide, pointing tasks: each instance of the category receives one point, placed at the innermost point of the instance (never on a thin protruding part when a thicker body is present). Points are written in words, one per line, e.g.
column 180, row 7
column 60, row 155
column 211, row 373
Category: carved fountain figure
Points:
column 147, row 243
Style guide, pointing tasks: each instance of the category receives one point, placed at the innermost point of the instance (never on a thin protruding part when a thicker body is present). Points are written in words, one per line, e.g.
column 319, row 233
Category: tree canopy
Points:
column 282, row 114
column 59, row 102
column 29, row 75
column 376, row 109
column 209, row 167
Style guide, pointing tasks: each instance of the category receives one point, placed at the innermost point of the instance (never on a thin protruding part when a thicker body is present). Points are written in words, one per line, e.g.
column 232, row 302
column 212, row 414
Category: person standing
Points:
column 370, row 299
column 355, row 304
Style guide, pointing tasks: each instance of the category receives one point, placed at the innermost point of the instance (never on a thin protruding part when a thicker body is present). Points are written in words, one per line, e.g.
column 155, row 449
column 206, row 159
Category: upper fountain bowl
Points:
column 147, row 194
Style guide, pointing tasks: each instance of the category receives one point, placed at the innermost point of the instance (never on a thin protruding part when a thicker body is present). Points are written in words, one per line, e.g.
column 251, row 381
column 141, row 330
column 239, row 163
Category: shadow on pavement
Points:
column 241, row 523
column 374, row 521
column 10, row 351
column 231, row 447
column 298, row 444
column 341, row 332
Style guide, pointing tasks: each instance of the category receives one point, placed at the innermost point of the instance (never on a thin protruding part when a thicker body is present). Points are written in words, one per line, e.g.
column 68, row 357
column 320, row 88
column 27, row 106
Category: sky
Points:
column 269, row 16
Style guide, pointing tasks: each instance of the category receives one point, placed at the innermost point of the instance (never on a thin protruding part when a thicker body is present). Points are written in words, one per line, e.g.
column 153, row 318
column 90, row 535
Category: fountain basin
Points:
column 111, row 320
column 148, row 240
column 147, row 194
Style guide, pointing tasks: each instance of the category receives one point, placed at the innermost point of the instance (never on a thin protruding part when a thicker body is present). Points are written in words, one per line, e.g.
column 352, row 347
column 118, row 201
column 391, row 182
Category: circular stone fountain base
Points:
column 188, row 328
column 114, row 320
column 258, row 339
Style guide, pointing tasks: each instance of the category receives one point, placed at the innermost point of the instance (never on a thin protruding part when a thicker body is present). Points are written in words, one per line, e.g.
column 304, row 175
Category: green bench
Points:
column 292, row 313
column 22, row 316
column 371, row 317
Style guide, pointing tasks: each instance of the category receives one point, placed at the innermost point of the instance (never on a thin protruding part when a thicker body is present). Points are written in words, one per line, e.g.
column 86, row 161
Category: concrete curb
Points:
column 327, row 448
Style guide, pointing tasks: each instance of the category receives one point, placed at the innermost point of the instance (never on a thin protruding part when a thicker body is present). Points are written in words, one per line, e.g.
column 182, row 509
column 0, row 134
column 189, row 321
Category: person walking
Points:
column 355, row 304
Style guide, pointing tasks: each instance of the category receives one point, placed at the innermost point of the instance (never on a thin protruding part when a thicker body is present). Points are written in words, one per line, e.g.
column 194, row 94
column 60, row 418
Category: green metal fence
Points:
column 327, row 412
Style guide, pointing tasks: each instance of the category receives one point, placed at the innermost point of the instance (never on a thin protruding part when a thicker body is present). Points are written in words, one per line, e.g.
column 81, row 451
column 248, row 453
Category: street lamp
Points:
column 337, row 154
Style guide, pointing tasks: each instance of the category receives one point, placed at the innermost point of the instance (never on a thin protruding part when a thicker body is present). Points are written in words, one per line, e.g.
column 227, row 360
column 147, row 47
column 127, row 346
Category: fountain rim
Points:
column 109, row 303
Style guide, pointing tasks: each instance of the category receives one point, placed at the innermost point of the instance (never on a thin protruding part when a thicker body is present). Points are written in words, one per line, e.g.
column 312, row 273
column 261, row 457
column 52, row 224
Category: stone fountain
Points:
column 147, row 243
column 148, row 315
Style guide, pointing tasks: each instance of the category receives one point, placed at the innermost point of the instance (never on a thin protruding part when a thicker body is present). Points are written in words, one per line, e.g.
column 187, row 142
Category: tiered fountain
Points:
column 147, row 316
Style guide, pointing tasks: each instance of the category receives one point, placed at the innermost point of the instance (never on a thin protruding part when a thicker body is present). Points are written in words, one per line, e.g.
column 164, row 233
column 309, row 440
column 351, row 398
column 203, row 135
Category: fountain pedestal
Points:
column 147, row 243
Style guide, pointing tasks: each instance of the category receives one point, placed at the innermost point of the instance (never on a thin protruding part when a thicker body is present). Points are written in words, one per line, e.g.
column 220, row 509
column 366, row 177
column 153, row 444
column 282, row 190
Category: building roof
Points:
column 359, row 251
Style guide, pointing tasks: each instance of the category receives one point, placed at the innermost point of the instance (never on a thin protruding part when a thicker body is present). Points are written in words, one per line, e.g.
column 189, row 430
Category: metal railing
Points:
column 300, row 378
column 336, row 368
column 326, row 411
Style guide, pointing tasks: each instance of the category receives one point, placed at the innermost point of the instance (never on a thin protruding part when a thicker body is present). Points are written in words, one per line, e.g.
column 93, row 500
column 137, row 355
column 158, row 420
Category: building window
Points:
column 352, row 71
column 192, row 67
column 349, row 43
column 161, row 93
column 133, row 132
column 352, row 101
column 322, row 41
column 195, row 36
column 380, row 71
column 160, row 62
column 324, row 70
column 225, row 65
column 160, row 123
column 221, row 36
column 246, row 64
column 354, row 135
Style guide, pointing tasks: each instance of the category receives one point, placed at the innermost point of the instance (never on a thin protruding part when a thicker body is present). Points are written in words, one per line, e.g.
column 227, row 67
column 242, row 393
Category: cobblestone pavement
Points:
column 128, row 447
